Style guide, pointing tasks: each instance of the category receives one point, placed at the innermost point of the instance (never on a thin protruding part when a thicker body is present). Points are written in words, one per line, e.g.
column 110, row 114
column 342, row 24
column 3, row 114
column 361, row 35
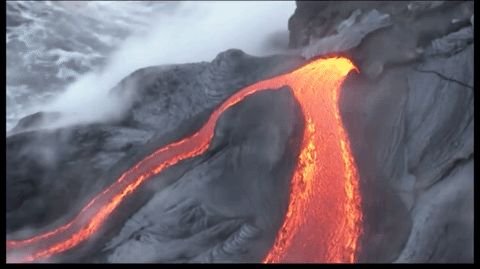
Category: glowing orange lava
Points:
column 323, row 220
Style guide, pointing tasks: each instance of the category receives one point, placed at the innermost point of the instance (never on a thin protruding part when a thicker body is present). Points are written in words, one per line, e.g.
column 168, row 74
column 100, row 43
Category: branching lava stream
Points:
column 323, row 220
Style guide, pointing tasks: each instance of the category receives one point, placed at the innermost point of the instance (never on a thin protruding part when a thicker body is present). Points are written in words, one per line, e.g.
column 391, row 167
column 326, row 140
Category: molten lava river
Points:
column 323, row 219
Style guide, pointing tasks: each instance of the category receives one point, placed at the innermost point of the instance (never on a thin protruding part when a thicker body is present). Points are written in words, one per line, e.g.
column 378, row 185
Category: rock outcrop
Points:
column 193, row 211
column 410, row 117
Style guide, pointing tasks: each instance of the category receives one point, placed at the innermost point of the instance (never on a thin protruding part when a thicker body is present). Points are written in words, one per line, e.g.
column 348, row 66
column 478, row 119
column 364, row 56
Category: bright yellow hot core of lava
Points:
column 323, row 220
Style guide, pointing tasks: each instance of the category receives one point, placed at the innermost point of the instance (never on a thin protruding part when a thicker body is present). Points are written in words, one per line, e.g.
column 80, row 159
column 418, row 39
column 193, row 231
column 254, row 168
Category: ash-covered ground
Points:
column 409, row 115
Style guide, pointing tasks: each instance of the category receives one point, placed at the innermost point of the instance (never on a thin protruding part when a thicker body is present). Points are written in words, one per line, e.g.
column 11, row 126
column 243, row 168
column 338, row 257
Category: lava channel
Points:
column 323, row 219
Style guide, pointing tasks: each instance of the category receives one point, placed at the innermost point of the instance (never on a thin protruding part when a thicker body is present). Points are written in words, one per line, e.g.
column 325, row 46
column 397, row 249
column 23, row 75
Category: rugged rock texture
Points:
column 205, row 216
column 410, row 118
column 251, row 156
column 409, row 114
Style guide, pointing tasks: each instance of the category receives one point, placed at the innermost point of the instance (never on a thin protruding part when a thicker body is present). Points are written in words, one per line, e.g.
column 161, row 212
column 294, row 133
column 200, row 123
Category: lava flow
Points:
column 323, row 220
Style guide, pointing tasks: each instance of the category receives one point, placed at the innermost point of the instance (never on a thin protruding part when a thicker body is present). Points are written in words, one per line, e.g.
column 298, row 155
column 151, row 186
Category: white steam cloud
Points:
column 193, row 32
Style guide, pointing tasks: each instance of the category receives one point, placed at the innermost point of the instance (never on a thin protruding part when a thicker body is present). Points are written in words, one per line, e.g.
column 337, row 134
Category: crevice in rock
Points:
column 443, row 77
column 451, row 169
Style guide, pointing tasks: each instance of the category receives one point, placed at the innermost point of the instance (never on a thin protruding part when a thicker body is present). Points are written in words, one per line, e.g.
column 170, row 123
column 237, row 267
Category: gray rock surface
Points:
column 224, row 209
column 350, row 33
column 52, row 173
column 410, row 118
column 409, row 115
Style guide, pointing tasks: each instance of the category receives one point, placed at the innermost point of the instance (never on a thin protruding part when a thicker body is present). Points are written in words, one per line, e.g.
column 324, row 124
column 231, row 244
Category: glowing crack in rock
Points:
column 323, row 219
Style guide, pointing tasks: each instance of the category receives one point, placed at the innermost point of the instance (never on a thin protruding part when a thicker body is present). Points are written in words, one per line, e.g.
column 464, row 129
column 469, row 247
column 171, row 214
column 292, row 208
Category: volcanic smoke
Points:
column 323, row 219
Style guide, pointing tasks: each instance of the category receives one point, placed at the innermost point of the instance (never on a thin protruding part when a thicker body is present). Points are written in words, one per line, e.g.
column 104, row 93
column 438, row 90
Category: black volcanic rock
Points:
column 35, row 120
column 409, row 114
column 228, row 207
column 52, row 173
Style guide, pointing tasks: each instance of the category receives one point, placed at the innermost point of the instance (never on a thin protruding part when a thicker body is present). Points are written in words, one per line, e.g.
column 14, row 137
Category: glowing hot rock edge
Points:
column 323, row 219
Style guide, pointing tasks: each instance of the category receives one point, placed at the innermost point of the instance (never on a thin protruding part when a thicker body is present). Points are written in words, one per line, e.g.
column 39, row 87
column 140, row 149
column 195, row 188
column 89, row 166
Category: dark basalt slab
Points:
column 52, row 173
column 409, row 116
